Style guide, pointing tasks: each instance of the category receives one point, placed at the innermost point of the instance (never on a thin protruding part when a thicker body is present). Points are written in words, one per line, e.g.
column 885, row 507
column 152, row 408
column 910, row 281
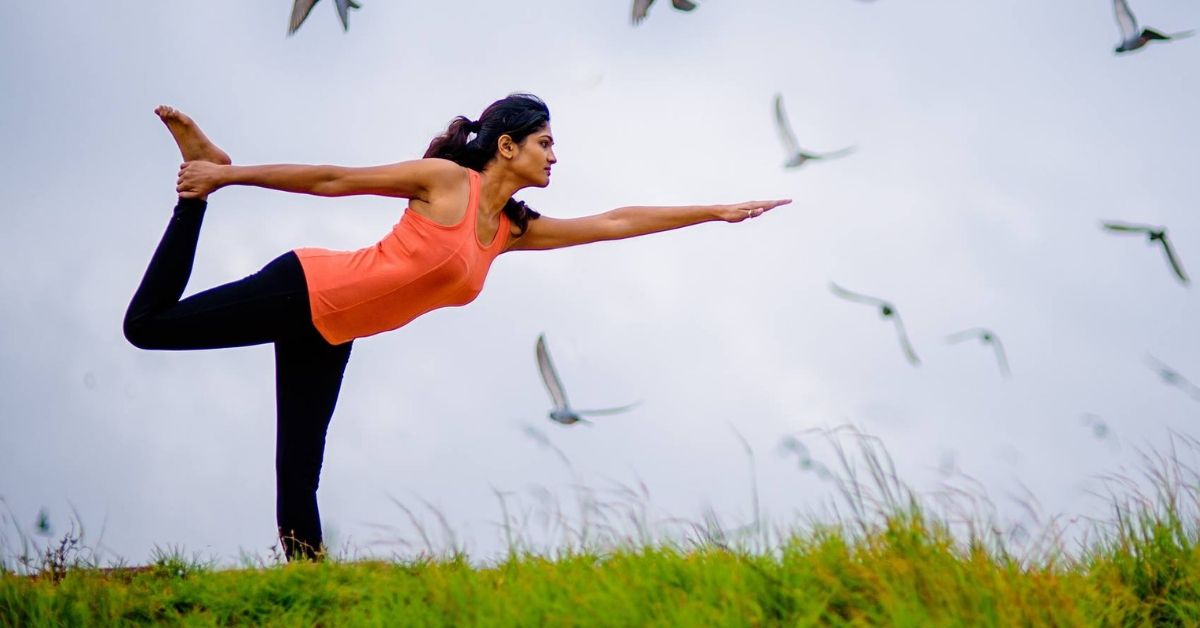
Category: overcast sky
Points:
column 992, row 138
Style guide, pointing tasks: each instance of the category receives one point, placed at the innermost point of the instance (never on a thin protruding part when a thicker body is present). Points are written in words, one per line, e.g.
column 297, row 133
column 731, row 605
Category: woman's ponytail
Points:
column 453, row 143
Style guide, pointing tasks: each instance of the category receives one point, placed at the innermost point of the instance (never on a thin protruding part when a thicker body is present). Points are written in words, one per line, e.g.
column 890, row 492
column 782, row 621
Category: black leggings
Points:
column 268, row 306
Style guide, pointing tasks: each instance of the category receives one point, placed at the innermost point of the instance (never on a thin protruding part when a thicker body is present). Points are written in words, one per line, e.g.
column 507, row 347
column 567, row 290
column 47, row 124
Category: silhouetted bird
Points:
column 887, row 310
column 791, row 444
column 1154, row 235
column 302, row 8
column 43, row 522
column 1133, row 39
column 986, row 336
column 562, row 411
column 796, row 156
column 1100, row 430
column 640, row 7
column 1171, row 377
column 1098, row 426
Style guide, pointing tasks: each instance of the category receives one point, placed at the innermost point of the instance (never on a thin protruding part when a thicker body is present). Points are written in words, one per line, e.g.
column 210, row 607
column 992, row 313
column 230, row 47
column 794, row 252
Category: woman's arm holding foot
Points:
column 409, row 179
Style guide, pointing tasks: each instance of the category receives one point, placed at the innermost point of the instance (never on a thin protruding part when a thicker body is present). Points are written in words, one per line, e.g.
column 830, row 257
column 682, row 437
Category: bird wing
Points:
column 1167, row 373
column 1001, row 356
column 639, row 9
column 854, row 296
column 904, row 343
column 1125, row 20
column 785, row 128
column 960, row 336
column 343, row 9
column 603, row 411
column 300, row 11
column 1127, row 227
column 683, row 5
column 833, row 154
column 549, row 376
column 1173, row 260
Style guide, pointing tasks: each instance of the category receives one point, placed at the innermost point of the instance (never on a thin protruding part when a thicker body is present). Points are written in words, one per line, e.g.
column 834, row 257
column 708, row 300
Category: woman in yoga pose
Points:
column 313, row 303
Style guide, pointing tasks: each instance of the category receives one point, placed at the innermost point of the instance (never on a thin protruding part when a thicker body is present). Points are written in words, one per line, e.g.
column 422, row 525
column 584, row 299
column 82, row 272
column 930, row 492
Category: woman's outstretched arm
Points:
column 407, row 179
column 546, row 233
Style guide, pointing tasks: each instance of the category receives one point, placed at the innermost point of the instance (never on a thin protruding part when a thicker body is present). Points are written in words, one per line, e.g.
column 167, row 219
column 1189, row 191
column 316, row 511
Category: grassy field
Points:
column 889, row 560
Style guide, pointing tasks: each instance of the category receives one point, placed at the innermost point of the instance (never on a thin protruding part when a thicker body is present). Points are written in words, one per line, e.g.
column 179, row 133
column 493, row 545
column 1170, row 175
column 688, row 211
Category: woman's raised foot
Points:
column 194, row 145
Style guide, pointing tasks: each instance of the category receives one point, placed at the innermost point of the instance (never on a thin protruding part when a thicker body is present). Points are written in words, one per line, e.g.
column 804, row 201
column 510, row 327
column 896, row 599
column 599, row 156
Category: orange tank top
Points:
column 420, row 266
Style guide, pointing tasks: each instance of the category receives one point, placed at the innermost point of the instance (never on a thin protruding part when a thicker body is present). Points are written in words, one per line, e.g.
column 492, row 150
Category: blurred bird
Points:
column 1101, row 430
column 1171, row 377
column 986, row 336
column 1133, row 39
column 640, row 7
column 796, row 156
column 791, row 444
column 302, row 8
column 562, row 411
column 1154, row 235
column 887, row 310
column 1098, row 426
column 43, row 522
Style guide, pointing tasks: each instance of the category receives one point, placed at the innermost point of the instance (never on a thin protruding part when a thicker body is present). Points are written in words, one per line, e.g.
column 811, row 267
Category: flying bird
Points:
column 562, row 411
column 1098, row 426
column 1171, row 377
column 986, row 336
column 1101, row 430
column 1133, row 39
column 640, row 7
column 887, row 310
column 302, row 8
column 792, row 445
column 1154, row 235
column 796, row 156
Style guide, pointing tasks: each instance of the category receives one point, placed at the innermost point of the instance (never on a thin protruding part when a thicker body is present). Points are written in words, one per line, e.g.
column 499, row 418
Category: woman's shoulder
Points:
column 445, row 172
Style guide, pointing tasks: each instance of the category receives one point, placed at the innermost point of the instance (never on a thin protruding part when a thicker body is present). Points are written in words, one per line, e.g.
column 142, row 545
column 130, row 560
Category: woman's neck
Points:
column 496, row 186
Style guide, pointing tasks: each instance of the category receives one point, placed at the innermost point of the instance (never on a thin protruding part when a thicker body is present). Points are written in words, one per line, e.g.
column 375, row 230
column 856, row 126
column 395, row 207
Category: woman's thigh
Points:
column 268, row 305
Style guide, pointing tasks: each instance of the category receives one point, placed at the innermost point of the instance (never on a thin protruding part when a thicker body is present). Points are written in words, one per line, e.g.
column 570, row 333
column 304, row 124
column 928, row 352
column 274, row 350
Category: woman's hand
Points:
column 750, row 209
column 198, row 179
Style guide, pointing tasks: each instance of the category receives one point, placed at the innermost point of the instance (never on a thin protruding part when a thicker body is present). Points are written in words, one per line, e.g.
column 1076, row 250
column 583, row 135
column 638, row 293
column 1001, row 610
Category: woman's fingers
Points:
column 193, row 180
column 754, row 209
column 765, row 205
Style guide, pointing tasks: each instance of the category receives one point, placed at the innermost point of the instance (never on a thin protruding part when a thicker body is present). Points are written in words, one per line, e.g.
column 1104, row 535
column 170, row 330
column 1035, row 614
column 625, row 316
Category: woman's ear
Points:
column 506, row 146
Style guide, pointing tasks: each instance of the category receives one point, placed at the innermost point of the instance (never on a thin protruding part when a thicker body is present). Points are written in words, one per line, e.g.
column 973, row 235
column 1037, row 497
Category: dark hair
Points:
column 517, row 116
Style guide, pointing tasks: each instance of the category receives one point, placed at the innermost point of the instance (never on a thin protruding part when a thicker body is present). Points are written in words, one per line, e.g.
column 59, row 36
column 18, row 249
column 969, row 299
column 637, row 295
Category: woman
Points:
column 313, row 303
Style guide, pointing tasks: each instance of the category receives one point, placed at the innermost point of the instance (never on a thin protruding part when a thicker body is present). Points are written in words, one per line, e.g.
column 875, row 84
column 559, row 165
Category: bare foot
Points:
column 194, row 145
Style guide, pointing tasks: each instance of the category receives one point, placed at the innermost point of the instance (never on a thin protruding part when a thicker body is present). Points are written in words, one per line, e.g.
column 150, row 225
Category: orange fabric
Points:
column 420, row 266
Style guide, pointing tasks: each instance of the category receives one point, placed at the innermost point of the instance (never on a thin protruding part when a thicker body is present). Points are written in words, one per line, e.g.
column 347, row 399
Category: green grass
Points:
column 889, row 560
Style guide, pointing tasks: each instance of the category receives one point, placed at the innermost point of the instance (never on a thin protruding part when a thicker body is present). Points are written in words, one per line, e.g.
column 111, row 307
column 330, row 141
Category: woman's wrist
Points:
column 228, row 175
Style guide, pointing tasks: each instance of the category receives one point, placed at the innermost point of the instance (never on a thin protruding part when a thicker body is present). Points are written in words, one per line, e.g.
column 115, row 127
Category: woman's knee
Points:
column 140, row 332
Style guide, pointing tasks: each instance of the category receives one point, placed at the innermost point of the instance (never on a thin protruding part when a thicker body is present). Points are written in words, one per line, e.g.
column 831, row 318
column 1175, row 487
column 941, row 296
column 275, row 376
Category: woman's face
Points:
column 534, row 157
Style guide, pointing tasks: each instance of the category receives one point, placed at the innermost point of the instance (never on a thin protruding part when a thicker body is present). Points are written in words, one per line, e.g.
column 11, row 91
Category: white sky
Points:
column 992, row 139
